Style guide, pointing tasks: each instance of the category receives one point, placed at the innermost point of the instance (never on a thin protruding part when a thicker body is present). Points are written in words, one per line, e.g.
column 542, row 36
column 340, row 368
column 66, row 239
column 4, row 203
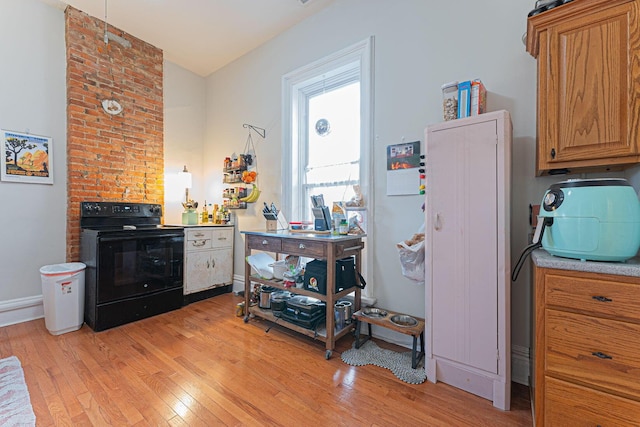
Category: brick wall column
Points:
column 111, row 157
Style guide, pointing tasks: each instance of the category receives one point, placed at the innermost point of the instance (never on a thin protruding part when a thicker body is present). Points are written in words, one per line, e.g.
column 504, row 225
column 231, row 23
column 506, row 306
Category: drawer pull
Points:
column 352, row 248
column 301, row 246
column 601, row 298
column 601, row 355
column 199, row 243
column 264, row 242
column 199, row 234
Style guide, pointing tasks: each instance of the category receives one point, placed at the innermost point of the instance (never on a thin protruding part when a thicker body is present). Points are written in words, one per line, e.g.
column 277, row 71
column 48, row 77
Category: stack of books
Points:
column 472, row 98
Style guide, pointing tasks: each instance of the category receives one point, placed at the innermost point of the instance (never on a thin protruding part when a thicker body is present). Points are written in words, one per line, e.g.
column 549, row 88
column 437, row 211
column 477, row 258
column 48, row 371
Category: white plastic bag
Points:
column 411, row 254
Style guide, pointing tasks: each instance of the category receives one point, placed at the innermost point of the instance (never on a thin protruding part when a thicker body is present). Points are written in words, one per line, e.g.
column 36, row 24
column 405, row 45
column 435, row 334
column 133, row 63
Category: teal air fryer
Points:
column 591, row 219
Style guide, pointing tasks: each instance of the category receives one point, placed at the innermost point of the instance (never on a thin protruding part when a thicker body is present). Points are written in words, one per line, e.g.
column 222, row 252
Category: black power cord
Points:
column 547, row 222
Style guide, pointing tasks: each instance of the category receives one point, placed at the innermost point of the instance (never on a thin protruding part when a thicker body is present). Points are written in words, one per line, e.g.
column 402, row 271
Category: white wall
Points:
column 32, row 78
column 184, row 119
column 418, row 46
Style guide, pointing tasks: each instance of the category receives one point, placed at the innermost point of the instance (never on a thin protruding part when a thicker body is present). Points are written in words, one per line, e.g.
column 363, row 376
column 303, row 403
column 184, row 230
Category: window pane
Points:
column 333, row 153
column 341, row 109
column 334, row 174
column 331, row 194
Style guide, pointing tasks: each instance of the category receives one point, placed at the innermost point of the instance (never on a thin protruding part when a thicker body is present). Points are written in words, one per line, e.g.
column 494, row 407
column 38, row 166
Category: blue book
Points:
column 464, row 99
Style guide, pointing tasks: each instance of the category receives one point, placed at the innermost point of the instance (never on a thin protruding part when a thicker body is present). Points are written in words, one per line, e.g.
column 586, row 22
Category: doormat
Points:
column 15, row 404
column 398, row 363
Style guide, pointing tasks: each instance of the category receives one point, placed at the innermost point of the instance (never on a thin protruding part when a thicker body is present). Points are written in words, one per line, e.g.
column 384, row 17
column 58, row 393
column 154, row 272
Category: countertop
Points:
column 544, row 259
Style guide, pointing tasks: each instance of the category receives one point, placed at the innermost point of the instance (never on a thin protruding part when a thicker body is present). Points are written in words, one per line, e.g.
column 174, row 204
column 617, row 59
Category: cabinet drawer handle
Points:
column 199, row 234
column 264, row 242
column 601, row 355
column 301, row 246
column 222, row 238
column 199, row 243
column 601, row 298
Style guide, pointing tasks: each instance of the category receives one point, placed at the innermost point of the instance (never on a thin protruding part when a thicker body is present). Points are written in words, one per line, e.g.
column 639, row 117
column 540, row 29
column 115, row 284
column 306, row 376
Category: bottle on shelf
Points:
column 205, row 213
column 211, row 214
column 214, row 214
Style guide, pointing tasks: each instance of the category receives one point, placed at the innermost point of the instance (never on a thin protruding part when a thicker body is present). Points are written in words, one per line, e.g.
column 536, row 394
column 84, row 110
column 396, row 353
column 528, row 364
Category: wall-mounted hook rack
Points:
column 256, row 129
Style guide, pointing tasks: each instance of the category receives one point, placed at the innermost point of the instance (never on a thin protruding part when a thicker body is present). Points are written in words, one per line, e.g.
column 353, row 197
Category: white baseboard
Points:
column 21, row 310
column 520, row 364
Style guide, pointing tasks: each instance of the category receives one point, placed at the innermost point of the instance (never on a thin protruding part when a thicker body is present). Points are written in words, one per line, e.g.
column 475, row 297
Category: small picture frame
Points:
column 26, row 158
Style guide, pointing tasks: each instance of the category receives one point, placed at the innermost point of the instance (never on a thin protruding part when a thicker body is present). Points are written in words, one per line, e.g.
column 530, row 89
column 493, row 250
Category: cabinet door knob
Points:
column 264, row 242
column 553, row 153
column 601, row 298
column 301, row 246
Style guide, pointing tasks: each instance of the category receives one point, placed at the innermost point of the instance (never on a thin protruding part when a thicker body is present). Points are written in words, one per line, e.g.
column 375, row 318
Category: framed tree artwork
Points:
column 26, row 158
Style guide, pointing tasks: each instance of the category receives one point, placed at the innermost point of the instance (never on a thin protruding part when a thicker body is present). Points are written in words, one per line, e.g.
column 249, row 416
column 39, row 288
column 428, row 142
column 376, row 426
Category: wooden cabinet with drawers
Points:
column 587, row 348
column 588, row 54
column 208, row 260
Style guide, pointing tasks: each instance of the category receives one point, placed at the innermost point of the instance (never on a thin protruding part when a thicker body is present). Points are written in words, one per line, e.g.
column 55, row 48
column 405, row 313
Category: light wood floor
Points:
column 202, row 365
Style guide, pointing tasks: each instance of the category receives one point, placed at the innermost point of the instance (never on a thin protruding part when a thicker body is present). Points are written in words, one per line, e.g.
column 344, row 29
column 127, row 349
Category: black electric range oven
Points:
column 134, row 264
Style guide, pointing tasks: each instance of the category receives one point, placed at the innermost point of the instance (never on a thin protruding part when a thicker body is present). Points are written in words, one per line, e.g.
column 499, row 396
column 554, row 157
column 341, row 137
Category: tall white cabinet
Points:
column 468, row 255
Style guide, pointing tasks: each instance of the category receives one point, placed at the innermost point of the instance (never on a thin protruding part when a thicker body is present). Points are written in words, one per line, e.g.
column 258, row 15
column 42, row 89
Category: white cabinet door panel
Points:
column 197, row 272
column 467, row 219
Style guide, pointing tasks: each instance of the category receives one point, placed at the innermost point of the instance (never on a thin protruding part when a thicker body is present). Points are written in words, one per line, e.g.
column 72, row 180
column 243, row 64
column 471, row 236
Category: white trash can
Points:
column 63, row 296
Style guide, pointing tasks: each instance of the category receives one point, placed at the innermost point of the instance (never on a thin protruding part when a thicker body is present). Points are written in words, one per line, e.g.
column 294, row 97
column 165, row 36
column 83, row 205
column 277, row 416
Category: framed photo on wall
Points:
column 26, row 158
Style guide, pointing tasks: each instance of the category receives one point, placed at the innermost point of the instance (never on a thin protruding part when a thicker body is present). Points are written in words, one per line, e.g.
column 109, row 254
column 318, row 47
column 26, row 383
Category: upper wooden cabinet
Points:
column 588, row 54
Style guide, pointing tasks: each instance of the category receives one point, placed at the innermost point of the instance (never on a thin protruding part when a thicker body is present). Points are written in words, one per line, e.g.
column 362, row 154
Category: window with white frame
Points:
column 327, row 143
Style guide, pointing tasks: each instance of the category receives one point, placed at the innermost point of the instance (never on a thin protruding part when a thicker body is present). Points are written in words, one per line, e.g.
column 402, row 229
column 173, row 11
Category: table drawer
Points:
column 568, row 404
column 351, row 247
column 263, row 243
column 305, row 248
column 222, row 237
column 612, row 299
column 593, row 350
column 198, row 239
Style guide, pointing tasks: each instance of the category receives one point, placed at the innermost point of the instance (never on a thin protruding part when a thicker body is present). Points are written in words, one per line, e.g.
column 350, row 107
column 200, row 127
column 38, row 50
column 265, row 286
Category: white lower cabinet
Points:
column 208, row 258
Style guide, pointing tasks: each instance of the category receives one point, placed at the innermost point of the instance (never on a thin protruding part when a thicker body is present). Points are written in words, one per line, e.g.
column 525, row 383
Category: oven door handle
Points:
column 133, row 236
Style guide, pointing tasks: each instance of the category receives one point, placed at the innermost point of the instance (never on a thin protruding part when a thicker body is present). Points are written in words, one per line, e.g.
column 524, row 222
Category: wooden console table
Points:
column 319, row 246
column 416, row 331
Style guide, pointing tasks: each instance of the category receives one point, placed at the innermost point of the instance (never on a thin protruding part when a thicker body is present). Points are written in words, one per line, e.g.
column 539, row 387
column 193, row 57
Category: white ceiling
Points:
column 200, row 35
